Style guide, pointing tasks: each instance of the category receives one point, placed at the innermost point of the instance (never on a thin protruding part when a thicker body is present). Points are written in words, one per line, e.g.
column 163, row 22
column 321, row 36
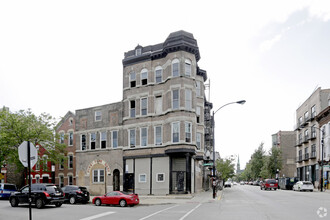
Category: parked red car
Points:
column 269, row 184
column 117, row 198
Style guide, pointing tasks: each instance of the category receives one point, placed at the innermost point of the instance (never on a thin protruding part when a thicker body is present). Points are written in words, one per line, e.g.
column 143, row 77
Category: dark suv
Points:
column 269, row 184
column 41, row 195
column 75, row 194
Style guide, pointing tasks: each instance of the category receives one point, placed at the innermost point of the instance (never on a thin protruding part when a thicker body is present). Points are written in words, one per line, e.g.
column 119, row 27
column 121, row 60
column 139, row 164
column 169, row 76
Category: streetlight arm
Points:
column 238, row 102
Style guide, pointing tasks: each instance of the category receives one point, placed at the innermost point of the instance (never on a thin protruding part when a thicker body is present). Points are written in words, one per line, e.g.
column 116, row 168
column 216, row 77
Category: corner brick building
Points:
column 152, row 142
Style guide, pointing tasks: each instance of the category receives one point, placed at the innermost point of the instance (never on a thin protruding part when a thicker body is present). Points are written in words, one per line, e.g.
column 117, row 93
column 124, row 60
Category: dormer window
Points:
column 138, row 51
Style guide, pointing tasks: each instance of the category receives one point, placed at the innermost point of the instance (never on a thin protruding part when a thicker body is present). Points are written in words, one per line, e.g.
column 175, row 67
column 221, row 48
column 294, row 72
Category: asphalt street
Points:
column 238, row 202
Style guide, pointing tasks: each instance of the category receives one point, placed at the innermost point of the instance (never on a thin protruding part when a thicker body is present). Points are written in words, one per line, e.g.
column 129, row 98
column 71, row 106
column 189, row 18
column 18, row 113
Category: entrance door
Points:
column 116, row 182
column 180, row 181
column 129, row 182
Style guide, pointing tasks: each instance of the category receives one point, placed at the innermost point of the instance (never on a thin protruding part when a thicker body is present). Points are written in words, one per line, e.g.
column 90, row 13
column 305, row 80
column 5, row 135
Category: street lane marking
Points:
column 183, row 217
column 157, row 212
column 97, row 216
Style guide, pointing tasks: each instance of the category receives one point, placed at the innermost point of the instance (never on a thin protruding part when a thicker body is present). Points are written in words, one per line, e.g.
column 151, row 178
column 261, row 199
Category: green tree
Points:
column 257, row 161
column 264, row 173
column 26, row 126
column 275, row 161
column 226, row 167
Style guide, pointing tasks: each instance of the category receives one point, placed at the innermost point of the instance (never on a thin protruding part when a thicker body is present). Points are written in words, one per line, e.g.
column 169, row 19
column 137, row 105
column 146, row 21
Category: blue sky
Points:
column 57, row 56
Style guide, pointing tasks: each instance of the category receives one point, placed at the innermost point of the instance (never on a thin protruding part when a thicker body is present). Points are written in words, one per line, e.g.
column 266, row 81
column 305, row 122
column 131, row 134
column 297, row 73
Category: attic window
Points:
column 138, row 51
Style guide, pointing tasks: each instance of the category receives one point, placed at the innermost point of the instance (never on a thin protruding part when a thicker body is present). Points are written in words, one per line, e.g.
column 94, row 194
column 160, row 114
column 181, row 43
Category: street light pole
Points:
column 213, row 139
column 322, row 146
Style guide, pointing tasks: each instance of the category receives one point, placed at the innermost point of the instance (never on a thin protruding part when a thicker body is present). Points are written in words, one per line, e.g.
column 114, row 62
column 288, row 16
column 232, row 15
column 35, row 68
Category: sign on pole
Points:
column 23, row 154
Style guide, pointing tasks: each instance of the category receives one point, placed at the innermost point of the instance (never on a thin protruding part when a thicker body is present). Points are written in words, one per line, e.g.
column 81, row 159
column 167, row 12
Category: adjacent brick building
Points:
column 65, row 170
column 285, row 141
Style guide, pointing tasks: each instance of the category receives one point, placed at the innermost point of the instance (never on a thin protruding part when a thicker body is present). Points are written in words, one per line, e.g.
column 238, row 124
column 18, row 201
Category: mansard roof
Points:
column 176, row 41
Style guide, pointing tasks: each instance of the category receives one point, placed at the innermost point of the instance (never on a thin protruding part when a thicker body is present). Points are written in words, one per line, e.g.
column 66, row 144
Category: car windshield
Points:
column 307, row 183
column 271, row 181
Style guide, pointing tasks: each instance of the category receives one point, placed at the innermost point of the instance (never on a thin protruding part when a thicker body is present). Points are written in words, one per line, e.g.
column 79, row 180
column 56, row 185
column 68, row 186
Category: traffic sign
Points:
column 208, row 164
column 1, row 176
column 23, row 154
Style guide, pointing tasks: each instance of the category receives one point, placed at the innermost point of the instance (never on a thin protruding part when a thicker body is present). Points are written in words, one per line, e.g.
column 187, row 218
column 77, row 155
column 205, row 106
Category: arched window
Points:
column 158, row 74
column 175, row 67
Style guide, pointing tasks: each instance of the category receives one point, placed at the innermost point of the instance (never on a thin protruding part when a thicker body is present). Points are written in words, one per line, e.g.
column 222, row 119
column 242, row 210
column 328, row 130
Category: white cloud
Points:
column 268, row 44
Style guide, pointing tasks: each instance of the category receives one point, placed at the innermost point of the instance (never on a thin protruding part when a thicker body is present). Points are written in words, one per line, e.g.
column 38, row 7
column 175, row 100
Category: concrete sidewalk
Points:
column 201, row 197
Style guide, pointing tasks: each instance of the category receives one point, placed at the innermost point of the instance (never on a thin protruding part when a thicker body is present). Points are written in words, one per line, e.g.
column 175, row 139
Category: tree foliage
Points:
column 226, row 167
column 263, row 165
column 26, row 126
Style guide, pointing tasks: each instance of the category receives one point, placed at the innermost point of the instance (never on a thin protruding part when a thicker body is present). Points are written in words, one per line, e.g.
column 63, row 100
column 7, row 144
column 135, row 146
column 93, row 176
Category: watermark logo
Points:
column 322, row 212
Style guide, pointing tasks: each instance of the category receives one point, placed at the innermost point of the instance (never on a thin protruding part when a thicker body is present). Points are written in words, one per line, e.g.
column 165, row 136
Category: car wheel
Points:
column 72, row 200
column 98, row 202
column 122, row 203
column 39, row 203
column 58, row 204
column 13, row 202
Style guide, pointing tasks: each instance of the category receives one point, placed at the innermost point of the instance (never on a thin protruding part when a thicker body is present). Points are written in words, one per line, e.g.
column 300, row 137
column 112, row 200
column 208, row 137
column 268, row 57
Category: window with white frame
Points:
column 175, row 99
column 313, row 111
column 188, row 100
column 198, row 114
column 187, row 67
column 144, row 137
column 313, row 133
column 175, row 67
column 132, row 108
column 158, row 135
column 70, row 138
column 188, row 132
column 306, row 116
column 114, row 138
column 132, row 79
column 159, row 105
column 143, row 178
column 144, row 77
column 83, row 142
column 158, row 74
column 175, row 132
column 138, row 51
column 98, row 115
column 103, row 139
column 132, row 137
column 144, row 106
column 92, row 140
column 160, row 177
column 61, row 164
column 44, row 162
column 70, row 161
column 199, row 140
column 98, row 176
column 198, row 88
column 62, row 138
column 70, row 180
